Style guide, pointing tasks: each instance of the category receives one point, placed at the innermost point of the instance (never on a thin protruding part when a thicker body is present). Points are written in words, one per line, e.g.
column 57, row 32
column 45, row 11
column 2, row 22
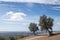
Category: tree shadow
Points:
column 42, row 35
column 54, row 34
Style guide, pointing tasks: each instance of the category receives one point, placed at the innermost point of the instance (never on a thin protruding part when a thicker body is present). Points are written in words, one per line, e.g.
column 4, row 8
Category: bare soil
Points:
column 56, row 36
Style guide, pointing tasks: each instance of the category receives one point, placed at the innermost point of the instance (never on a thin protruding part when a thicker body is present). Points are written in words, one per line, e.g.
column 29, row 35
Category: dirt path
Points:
column 56, row 37
column 35, row 37
column 44, row 37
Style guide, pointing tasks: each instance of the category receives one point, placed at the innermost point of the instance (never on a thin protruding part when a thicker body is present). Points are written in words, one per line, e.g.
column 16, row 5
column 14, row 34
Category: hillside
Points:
column 45, row 37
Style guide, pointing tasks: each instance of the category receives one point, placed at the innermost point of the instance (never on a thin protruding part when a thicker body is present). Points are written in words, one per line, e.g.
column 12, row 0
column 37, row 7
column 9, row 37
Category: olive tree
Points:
column 46, row 23
column 33, row 27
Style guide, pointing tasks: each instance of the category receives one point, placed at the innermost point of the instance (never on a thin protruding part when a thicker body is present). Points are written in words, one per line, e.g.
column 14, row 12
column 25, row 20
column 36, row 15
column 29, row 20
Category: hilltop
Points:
column 43, row 37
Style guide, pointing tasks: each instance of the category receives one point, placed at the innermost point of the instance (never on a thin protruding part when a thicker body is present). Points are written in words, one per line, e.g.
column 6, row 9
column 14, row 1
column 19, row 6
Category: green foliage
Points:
column 33, row 27
column 21, row 36
column 12, row 38
column 2, row 38
column 43, row 22
column 46, row 23
column 50, row 22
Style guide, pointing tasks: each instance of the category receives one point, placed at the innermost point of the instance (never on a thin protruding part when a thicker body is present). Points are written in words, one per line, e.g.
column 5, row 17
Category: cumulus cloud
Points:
column 14, row 16
column 35, row 1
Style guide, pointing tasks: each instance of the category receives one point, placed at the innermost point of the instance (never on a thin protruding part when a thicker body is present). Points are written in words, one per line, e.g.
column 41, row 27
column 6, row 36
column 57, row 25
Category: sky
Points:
column 16, row 15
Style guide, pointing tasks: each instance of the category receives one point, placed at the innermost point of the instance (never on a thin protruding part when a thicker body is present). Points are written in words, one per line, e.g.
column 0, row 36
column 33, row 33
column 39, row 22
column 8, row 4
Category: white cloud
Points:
column 36, row 1
column 29, row 5
column 56, row 8
column 56, row 26
column 58, row 23
column 14, row 16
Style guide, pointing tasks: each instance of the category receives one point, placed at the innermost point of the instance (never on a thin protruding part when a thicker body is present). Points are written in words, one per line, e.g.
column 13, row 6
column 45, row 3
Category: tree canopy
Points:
column 33, row 27
column 46, row 23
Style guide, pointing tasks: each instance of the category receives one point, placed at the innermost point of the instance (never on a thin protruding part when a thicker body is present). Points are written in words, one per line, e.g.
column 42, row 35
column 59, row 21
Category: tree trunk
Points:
column 34, row 33
column 50, row 32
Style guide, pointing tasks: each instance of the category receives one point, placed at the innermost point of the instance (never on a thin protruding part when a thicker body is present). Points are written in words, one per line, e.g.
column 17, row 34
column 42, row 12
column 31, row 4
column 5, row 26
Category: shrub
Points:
column 2, row 38
column 12, row 38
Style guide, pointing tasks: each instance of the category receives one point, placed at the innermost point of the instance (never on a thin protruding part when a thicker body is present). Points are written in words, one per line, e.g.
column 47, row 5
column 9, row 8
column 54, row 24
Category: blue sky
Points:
column 16, row 16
